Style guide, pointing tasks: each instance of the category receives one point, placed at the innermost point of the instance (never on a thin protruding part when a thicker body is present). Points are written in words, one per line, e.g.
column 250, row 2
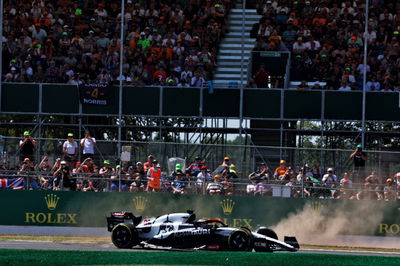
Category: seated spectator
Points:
column 390, row 192
column 281, row 170
column 263, row 189
column 368, row 193
column 215, row 187
column 63, row 179
column 252, row 187
column 178, row 186
column 261, row 172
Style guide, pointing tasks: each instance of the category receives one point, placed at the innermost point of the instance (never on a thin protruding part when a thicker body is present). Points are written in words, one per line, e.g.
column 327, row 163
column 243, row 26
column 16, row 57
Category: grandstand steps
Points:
column 229, row 58
column 234, row 52
column 235, row 41
column 229, row 46
column 228, row 70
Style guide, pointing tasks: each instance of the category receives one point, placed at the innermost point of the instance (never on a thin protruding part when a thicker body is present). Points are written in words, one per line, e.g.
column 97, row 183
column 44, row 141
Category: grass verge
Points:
column 36, row 257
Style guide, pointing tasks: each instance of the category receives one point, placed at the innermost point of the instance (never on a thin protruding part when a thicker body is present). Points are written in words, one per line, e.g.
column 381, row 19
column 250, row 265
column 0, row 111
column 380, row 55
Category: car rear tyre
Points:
column 240, row 240
column 124, row 236
column 267, row 232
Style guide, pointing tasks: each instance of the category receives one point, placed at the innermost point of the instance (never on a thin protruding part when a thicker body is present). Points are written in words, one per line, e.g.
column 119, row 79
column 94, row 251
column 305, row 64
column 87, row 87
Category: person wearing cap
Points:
column 149, row 164
column 178, row 185
column 70, row 149
column 194, row 167
column 390, row 191
column 330, row 179
column 106, row 169
column 27, row 147
column 226, row 161
column 154, row 177
column 262, row 171
column 203, row 178
column 88, row 143
column 63, row 179
column 359, row 158
column 281, row 170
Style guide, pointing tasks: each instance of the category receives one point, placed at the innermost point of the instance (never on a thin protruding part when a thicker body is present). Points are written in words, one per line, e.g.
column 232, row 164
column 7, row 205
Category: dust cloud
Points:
column 320, row 224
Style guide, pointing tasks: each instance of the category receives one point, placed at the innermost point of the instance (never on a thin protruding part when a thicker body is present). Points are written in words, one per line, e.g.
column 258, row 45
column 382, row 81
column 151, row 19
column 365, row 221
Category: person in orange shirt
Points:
column 154, row 177
column 281, row 170
column 160, row 75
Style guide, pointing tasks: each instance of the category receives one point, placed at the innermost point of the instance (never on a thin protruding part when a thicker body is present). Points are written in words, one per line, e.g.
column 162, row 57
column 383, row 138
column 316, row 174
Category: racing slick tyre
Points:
column 240, row 240
column 124, row 236
column 267, row 232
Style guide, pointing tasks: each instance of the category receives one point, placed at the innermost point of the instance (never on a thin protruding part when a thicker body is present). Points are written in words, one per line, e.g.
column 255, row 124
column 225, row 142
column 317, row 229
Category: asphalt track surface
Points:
column 48, row 245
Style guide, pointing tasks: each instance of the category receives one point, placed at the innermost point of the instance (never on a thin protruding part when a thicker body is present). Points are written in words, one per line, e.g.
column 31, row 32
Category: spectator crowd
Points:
column 327, row 39
column 167, row 42
column 91, row 174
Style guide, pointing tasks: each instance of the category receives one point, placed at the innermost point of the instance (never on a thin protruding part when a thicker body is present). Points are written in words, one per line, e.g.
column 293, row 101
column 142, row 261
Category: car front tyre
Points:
column 240, row 240
column 124, row 236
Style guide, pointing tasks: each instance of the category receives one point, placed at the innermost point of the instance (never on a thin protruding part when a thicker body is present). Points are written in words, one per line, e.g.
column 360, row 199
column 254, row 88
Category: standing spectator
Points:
column 203, row 178
column 359, row 158
column 194, row 167
column 27, row 147
column 1, row 148
column 70, row 150
column 88, row 143
column 150, row 163
column 261, row 77
column 154, row 177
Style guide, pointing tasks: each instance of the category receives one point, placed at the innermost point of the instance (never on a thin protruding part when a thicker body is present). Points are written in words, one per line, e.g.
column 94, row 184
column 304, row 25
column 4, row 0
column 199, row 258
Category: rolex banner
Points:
column 86, row 209
column 97, row 94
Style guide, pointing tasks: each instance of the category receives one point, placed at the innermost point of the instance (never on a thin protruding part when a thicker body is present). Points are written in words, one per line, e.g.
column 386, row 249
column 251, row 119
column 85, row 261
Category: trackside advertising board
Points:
column 87, row 209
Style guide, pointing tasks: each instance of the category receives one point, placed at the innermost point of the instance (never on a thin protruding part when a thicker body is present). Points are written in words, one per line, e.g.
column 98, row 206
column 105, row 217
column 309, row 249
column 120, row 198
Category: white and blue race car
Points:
column 183, row 231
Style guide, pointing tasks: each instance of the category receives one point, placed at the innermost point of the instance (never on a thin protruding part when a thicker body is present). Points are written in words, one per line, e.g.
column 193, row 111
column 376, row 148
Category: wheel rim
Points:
column 122, row 236
column 239, row 241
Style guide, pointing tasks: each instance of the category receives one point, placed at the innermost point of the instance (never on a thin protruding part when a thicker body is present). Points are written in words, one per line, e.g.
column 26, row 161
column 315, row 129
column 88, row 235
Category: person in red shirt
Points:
column 150, row 163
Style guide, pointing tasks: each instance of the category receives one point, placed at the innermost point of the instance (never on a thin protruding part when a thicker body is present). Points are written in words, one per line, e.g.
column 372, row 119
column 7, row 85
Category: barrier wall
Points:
column 198, row 102
column 89, row 209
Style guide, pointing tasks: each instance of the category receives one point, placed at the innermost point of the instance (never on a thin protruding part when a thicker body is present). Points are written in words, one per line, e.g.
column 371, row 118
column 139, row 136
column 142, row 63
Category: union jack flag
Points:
column 12, row 183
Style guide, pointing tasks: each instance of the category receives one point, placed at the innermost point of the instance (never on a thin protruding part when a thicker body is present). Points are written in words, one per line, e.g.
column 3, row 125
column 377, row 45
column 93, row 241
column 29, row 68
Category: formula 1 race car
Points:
column 183, row 231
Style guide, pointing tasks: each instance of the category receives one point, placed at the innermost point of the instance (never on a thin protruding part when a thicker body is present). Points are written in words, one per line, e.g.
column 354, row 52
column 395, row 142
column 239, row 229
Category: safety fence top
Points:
column 254, row 103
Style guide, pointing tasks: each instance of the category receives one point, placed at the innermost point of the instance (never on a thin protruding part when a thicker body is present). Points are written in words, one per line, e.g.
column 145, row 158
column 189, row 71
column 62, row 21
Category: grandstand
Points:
column 267, row 81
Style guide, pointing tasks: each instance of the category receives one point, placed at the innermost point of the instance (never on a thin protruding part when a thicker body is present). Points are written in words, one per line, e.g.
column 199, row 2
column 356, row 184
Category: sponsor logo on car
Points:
column 193, row 232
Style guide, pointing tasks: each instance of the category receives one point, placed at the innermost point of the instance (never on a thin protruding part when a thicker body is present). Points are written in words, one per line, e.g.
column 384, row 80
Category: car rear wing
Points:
column 122, row 217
